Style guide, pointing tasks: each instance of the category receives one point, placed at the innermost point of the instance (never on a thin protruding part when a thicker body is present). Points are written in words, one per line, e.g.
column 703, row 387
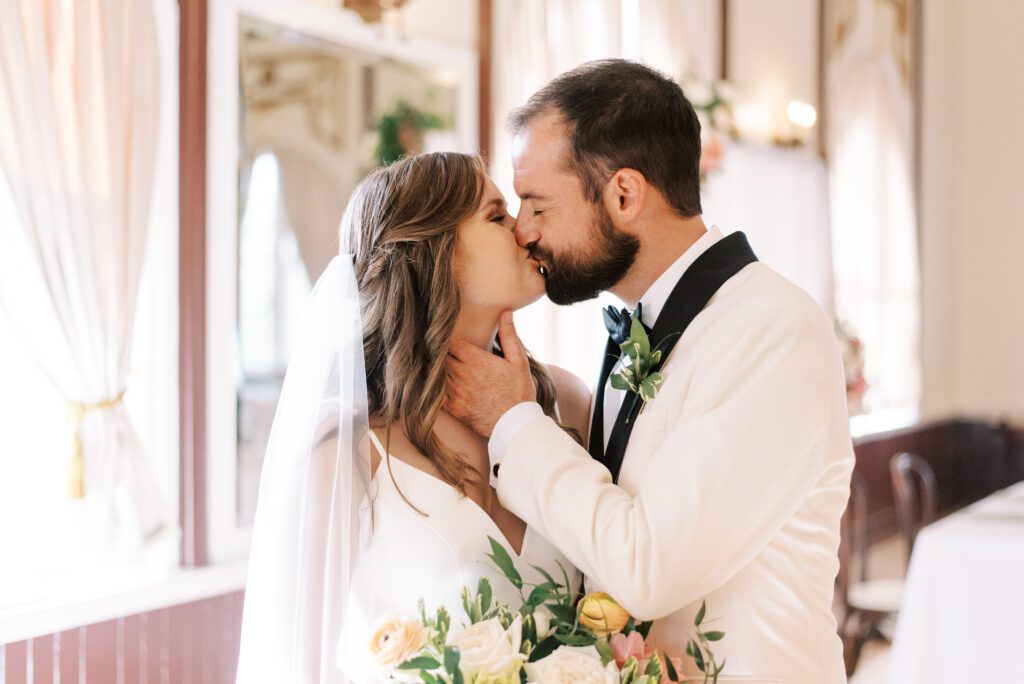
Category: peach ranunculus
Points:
column 396, row 640
column 626, row 646
column 601, row 613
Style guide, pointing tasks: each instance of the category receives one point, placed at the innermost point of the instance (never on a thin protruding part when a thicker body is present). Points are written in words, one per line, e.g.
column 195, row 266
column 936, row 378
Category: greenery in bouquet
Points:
column 554, row 636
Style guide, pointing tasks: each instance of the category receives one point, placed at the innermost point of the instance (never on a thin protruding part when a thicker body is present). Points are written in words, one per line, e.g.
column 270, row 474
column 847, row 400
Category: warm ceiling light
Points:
column 801, row 114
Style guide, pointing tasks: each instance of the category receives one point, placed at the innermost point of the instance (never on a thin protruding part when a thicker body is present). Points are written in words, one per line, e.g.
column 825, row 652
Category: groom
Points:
column 725, row 481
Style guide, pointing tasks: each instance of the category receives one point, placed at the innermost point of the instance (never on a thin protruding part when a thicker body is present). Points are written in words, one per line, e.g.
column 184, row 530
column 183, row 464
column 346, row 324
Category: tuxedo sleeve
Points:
column 723, row 481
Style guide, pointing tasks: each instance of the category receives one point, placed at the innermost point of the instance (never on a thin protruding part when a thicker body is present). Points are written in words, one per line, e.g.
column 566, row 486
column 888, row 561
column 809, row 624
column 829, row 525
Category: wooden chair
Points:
column 870, row 605
column 866, row 604
column 915, row 491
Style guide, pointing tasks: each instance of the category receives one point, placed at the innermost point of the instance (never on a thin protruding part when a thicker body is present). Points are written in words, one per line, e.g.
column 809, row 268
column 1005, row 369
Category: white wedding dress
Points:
column 428, row 554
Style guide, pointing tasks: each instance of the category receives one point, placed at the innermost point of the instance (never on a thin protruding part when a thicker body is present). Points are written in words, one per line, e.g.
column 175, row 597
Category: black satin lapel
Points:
column 695, row 288
column 596, row 444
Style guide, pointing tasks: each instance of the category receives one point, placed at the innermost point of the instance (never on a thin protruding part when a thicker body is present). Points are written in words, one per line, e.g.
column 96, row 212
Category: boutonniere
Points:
column 640, row 376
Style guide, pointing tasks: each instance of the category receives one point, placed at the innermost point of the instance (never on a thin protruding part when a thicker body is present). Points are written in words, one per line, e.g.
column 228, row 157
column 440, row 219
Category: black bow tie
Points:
column 619, row 322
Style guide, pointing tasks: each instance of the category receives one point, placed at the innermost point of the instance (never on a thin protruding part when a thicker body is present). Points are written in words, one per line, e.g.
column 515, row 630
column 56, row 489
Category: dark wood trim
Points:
column 723, row 55
column 485, row 49
column 192, row 280
column 971, row 460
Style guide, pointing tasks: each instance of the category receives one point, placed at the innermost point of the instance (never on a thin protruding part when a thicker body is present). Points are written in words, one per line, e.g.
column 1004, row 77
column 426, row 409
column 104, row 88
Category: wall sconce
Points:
column 801, row 118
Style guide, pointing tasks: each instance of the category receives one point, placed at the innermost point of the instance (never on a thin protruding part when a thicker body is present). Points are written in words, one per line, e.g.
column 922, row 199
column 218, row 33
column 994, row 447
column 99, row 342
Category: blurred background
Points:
column 172, row 176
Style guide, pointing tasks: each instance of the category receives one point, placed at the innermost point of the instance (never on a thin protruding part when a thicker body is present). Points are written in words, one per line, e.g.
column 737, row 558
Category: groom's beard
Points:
column 582, row 275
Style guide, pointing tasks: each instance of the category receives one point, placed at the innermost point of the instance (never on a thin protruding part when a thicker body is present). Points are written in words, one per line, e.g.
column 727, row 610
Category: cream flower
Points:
column 570, row 665
column 490, row 653
column 396, row 640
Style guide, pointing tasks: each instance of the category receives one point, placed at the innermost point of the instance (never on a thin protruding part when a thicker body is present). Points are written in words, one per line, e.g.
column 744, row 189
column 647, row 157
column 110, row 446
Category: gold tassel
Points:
column 74, row 487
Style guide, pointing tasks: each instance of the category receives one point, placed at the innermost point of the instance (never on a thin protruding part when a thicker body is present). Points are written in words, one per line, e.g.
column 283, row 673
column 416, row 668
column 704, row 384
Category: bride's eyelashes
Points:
column 499, row 219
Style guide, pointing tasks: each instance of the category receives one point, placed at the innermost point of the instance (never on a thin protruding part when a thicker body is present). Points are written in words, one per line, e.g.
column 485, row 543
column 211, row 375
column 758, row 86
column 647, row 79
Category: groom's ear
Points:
column 624, row 196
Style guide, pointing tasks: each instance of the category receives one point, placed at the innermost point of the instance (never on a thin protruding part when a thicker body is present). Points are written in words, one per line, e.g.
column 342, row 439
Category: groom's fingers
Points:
column 510, row 343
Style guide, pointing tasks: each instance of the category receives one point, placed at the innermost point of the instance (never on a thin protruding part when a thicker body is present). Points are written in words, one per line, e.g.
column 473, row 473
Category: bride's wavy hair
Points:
column 401, row 225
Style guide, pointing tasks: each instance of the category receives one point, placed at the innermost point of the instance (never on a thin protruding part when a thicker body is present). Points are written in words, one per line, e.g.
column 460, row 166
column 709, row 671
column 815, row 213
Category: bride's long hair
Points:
column 401, row 224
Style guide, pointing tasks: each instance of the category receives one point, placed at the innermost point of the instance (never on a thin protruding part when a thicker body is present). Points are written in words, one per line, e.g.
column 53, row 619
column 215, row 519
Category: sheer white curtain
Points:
column 534, row 41
column 79, row 86
column 874, row 227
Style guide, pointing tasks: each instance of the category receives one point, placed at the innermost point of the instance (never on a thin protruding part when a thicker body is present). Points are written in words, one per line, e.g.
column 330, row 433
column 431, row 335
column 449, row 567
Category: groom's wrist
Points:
column 505, row 430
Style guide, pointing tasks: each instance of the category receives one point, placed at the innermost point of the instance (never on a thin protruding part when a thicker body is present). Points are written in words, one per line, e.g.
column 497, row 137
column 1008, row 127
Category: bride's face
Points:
column 493, row 270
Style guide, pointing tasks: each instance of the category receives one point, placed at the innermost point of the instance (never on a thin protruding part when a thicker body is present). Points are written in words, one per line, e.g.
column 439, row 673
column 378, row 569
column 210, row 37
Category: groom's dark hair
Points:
column 623, row 114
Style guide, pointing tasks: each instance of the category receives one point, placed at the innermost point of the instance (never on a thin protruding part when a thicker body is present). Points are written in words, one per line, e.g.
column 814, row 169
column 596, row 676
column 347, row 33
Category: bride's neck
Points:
column 477, row 325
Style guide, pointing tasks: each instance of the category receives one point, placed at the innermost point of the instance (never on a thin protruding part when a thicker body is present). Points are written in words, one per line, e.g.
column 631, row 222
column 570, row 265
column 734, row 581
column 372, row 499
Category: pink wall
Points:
column 193, row 643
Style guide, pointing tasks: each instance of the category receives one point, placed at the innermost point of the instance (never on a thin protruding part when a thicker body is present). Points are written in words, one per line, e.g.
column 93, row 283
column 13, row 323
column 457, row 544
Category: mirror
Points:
column 314, row 118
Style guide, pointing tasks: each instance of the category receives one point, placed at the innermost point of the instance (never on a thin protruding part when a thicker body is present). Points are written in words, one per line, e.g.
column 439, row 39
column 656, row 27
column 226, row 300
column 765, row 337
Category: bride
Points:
column 372, row 496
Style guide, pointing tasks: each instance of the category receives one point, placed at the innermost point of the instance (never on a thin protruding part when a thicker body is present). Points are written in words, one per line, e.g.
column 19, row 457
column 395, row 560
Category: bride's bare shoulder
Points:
column 573, row 399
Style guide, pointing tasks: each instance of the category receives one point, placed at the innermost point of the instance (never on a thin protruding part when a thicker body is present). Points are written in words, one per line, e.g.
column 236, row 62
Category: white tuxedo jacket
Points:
column 732, row 487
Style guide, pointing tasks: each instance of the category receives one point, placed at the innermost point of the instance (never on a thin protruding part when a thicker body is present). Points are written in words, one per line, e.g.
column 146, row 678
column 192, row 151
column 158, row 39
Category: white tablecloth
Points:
column 962, row 618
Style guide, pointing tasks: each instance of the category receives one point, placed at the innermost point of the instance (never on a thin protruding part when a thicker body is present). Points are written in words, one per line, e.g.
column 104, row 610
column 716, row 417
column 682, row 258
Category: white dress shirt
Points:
column 653, row 302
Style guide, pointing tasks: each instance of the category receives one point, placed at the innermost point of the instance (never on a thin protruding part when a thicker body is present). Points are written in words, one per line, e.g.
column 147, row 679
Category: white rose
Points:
column 570, row 665
column 490, row 653
column 542, row 619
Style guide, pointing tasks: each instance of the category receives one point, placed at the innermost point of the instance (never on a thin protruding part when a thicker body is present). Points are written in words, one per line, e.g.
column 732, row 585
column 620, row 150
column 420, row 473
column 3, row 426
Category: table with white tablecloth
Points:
column 962, row 618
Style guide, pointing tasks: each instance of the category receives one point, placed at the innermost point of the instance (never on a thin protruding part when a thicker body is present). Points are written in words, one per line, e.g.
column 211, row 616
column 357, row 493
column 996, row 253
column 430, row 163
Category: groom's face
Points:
column 577, row 242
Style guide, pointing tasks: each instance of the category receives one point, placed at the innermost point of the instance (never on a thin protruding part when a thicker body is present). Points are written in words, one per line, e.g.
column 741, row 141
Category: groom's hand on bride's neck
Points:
column 482, row 386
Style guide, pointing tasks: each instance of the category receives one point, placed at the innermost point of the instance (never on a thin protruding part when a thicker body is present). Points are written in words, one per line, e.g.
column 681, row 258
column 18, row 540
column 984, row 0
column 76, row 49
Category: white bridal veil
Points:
column 312, row 514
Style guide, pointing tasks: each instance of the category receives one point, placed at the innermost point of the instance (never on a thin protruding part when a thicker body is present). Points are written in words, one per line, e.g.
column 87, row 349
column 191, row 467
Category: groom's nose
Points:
column 526, row 230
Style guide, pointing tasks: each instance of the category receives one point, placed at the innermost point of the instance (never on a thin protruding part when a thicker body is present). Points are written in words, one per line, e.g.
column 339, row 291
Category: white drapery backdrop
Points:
column 534, row 41
column 874, row 227
column 79, row 95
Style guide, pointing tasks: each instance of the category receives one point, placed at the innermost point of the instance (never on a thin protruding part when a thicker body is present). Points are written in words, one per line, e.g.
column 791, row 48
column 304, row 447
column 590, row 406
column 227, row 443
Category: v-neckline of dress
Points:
column 461, row 499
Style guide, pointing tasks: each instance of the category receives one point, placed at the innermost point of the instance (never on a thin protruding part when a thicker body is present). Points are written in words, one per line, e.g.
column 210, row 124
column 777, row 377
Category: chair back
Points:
column 915, row 492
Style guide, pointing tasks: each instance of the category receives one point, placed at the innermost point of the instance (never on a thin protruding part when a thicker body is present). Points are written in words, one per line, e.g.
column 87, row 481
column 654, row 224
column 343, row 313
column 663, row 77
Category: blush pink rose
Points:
column 632, row 646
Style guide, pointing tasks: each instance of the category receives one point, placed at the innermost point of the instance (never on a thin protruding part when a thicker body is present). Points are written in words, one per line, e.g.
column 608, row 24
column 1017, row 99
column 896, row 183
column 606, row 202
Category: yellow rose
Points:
column 396, row 640
column 599, row 612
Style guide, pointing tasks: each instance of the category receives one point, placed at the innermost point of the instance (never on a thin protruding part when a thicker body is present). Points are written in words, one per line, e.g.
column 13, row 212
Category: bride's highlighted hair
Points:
column 401, row 225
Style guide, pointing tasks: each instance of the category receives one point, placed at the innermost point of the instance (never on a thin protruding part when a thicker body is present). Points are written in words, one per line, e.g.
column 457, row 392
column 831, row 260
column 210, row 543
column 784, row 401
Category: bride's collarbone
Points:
column 472, row 448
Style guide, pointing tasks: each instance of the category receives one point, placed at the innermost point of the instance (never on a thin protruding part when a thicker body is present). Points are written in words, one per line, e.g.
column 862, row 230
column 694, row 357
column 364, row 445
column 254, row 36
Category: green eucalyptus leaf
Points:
column 673, row 676
column 564, row 614
column 423, row 662
column 644, row 628
column 701, row 613
column 698, row 658
column 544, row 649
column 452, row 656
column 504, row 562
column 428, row 678
column 714, row 636
column 540, row 594
column 547, row 576
column 576, row 639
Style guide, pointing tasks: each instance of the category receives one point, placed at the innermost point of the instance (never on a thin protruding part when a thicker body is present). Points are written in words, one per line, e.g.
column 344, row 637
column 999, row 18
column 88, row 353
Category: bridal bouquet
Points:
column 551, row 638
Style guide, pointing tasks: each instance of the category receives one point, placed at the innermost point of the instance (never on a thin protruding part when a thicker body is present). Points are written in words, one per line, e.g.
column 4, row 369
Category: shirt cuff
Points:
column 505, row 430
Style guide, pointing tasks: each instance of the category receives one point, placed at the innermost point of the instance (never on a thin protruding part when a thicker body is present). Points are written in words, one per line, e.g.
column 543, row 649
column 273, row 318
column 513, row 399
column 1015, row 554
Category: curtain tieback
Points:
column 75, row 486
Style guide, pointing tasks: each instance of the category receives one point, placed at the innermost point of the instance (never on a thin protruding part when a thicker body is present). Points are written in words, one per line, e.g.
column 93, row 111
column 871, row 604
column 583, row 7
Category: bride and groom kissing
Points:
column 711, row 464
